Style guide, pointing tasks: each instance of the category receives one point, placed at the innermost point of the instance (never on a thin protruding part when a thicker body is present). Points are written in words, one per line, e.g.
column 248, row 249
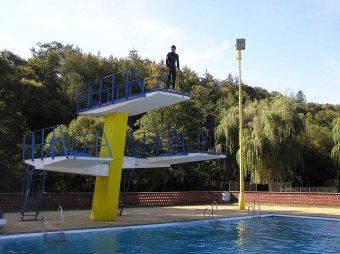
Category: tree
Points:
column 300, row 97
column 11, row 122
column 272, row 134
column 336, row 149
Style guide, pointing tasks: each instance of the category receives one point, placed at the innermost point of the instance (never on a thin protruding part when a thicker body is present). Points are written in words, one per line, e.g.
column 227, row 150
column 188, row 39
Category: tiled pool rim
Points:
column 72, row 231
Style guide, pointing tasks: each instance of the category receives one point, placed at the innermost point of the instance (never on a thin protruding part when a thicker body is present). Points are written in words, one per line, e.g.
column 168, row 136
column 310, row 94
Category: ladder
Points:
column 59, row 223
column 252, row 209
column 126, row 186
column 211, row 214
column 32, row 189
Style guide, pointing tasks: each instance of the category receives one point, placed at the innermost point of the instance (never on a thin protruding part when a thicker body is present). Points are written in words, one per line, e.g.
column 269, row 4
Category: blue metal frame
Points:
column 170, row 143
column 117, row 87
column 36, row 146
column 32, row 190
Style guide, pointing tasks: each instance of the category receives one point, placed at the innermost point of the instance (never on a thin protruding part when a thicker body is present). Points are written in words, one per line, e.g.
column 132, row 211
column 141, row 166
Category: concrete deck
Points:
column 78, row 219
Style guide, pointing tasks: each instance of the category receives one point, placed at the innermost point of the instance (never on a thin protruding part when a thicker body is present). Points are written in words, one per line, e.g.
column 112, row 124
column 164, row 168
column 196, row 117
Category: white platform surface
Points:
column 138, row 105
column 74, row 165
column 167, row 161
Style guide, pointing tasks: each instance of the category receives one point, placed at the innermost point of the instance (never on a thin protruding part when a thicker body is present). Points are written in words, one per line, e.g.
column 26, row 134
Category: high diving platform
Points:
column 49, row 149
column 124, row 92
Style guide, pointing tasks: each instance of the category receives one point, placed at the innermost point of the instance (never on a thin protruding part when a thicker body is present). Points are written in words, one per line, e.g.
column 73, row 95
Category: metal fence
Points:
column 281, row 187
column 235, row 186
column 287, row 187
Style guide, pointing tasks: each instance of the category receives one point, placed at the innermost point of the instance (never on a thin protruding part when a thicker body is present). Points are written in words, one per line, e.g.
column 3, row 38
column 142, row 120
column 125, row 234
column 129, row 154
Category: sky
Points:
column 290, row 45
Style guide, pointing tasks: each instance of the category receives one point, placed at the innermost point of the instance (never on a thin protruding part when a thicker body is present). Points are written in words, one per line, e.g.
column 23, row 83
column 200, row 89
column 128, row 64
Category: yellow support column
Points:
column 106, row 191
column 241, row 202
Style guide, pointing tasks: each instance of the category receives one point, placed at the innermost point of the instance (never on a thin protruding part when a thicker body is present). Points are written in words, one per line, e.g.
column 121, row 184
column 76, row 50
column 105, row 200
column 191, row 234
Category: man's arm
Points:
column 167, row 60
column 178, row 62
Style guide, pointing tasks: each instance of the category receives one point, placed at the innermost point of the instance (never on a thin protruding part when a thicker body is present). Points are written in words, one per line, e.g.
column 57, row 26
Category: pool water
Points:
column 272, row 234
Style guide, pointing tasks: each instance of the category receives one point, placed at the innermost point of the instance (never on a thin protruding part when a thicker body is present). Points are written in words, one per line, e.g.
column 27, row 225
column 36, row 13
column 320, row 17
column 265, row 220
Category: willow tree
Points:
column 336, row 149
column 272, row 138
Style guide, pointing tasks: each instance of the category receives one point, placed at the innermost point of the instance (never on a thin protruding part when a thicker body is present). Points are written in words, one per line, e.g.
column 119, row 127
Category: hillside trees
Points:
column 41, row 91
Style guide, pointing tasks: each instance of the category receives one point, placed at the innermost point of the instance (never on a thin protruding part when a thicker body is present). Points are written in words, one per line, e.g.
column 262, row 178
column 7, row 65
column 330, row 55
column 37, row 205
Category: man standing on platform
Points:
column 209, row 124
column 172, row 61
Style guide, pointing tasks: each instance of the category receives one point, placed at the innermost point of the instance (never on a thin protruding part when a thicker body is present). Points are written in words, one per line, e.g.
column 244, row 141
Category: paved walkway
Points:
column 78, row 219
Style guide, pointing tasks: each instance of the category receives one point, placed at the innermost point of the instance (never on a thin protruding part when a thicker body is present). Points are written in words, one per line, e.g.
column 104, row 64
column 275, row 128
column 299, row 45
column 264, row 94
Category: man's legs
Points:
column 211, row 140
column 173, row 74
column 212, row 133
column 173, row 78
column 168, row 81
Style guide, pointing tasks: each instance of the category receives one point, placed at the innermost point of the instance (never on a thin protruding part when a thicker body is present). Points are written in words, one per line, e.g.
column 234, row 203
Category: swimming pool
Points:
column 268, row 234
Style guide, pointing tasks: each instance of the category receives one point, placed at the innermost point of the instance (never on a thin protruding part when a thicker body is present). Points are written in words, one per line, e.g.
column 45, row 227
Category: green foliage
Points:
column 272, row 134
column 11, row 122
column 335, row 153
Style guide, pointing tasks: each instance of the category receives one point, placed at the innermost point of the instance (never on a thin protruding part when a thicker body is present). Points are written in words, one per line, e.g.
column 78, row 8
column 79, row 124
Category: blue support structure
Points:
column 32, row 190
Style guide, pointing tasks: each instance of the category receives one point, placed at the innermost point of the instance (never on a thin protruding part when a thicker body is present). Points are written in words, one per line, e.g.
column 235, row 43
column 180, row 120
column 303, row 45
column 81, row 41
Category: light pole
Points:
column 240, row 45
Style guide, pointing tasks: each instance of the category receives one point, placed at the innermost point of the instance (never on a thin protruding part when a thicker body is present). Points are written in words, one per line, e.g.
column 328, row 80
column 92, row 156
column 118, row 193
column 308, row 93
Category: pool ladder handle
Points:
column 253, row 208
column 59, row 223
column 211, row 213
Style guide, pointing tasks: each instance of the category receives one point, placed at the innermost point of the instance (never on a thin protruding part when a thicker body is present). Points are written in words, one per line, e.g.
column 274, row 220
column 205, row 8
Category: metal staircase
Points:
column 32, row 189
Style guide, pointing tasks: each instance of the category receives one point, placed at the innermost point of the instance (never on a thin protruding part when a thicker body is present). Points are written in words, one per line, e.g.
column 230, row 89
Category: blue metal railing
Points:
column 110, row 89
column 115, row 88
column 173, row 142
column 51, row 142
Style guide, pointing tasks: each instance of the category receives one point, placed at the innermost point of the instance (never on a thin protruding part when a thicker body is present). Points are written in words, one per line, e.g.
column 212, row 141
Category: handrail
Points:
column 171, row 142
column 214, row 203
column 204, row 213
column 60, row 222
column 44, row 225
column 115, row 87
column 36, row 145
column 253, row 208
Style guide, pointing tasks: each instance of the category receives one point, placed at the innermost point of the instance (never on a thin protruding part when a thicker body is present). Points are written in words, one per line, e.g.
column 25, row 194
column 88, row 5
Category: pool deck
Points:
column 80, row 219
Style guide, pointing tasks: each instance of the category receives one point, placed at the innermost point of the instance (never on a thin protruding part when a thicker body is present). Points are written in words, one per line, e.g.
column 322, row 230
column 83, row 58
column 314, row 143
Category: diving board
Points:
column 165, row 161
column 49, row 149
column 94, row 166
column 139, row 104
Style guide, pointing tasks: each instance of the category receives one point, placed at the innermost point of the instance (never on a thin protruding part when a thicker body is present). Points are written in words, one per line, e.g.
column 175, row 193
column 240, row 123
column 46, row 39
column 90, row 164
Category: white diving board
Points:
column 94, row 166
column 167, row 161
column 138, row 105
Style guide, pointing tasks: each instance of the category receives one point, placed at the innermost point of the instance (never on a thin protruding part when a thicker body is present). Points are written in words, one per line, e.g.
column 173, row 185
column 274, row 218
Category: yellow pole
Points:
column 241, row 203
column 106, row 190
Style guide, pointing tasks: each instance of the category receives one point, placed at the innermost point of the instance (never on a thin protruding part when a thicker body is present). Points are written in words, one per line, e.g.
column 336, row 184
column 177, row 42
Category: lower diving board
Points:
column 165, row 161
column 95, row 166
